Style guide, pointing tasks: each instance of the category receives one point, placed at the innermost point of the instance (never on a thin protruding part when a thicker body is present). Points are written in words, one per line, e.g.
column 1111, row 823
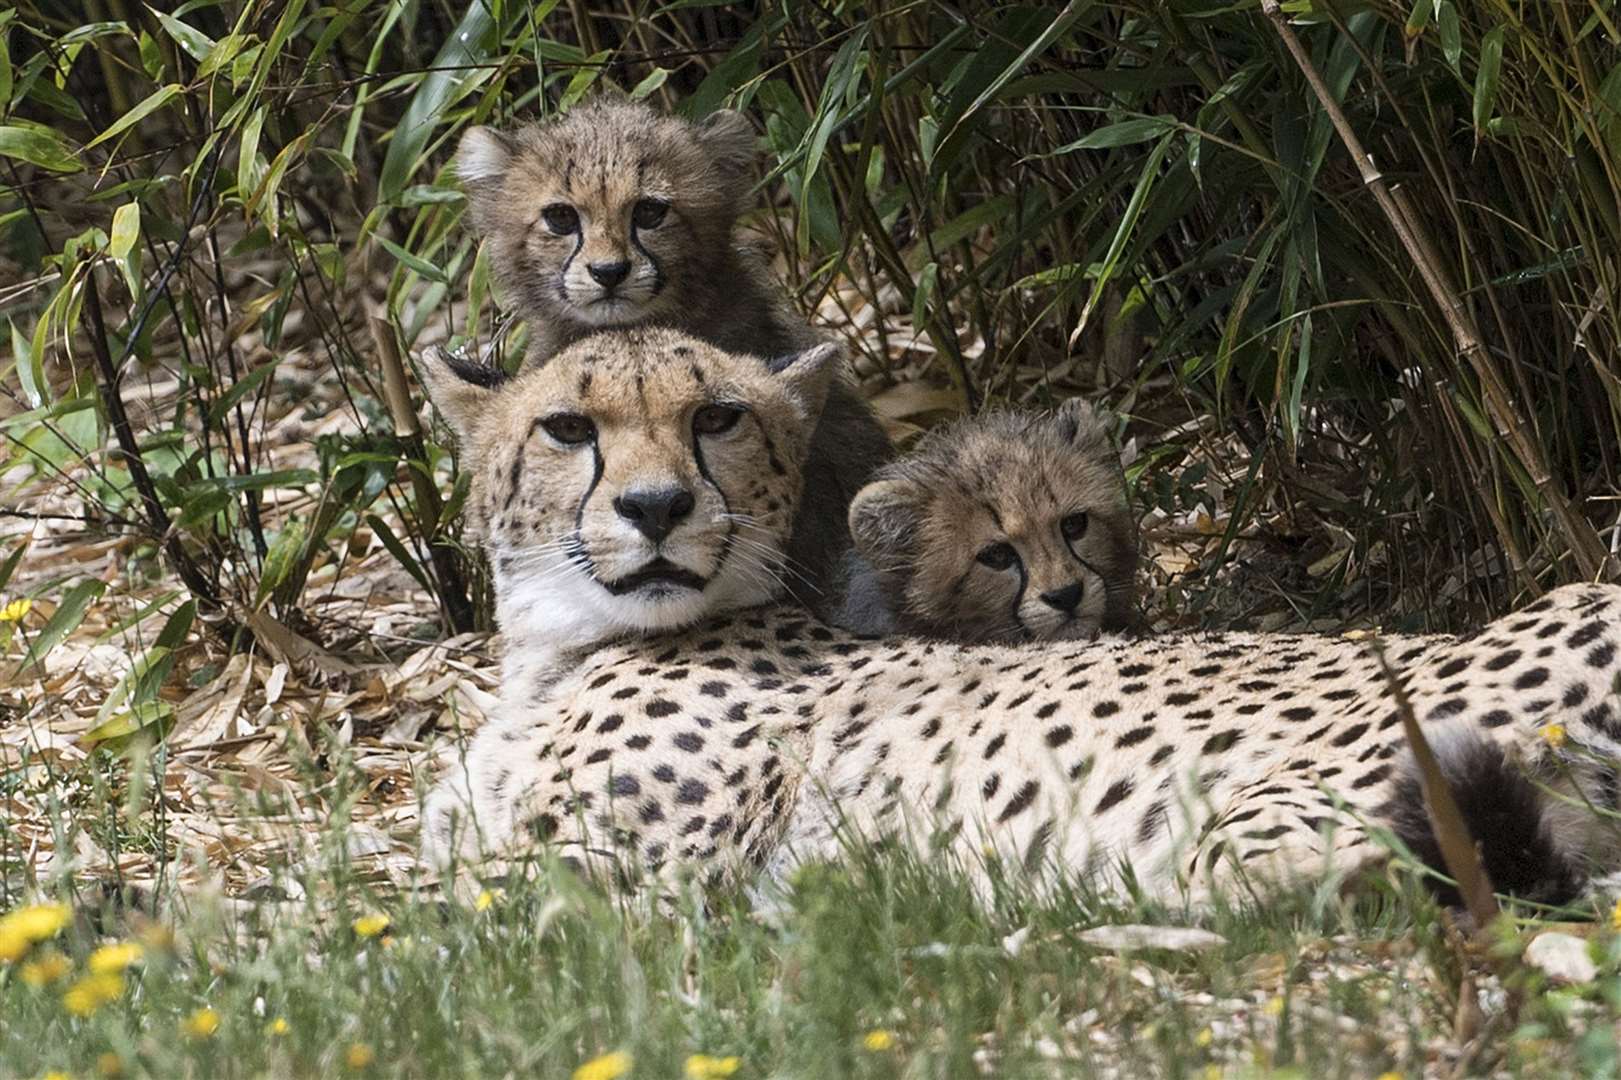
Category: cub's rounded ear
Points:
column 1085, row 426
column 461, row 390
column 884, row 518
column 729, row 137
column 483, row 156
column 809, row 373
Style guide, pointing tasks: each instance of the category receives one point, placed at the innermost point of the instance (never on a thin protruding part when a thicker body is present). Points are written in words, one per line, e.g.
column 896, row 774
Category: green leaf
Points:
column 153, row 102
column 38, row 146
column 469, row 45
column 126, row 229
column 9, row 567
column 196, row 43
column 1065, row 19
column 244, row 386
column 1486, row 78
column 1446, row 20
column 651, row 83
column 397, row 549
column 63, row 621
column 414, row 262
column 1122, row 133
column 280, row 560
column 30, row 372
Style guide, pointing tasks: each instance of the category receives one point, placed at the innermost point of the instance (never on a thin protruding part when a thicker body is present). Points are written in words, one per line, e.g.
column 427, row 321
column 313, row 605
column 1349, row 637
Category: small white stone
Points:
column 1562, row 957
column 1127, row 937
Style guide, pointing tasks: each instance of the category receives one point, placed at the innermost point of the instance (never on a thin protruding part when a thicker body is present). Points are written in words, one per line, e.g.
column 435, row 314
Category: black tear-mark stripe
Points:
column 658, row 271
column 725, row 507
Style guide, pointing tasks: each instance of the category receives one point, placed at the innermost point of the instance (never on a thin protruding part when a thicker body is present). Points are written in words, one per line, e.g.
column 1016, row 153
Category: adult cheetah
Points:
column 683, row 720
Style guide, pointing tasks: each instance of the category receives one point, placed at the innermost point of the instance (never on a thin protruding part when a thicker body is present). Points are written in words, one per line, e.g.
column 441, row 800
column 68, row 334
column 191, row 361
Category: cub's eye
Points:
column 715, row 419
column 1074, row 526
column 570, row 429
column 561, row 218
column 649, row 213
column 998, row 556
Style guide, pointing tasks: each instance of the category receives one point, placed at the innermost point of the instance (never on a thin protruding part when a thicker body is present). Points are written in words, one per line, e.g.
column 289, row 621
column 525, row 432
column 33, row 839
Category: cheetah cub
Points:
column 1008, row 527
column 614, row 215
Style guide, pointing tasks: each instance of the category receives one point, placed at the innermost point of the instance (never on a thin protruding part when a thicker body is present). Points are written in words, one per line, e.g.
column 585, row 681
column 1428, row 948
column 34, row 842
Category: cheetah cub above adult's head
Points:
column 613, row 214
column 640, row 481
column 1007, row 527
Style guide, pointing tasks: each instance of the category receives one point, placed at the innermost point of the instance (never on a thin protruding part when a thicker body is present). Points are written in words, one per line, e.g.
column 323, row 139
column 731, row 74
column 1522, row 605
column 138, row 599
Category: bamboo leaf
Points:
column 451, row 79
column 63, row 621
column 414, row 262
column 126, row 229
column 38, row 146
column 1124, row 133
column 153, row 102
column 1487, row 77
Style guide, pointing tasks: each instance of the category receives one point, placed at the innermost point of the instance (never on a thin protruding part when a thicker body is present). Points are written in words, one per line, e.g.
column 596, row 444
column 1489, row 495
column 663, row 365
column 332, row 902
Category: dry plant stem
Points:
column 1585, row 546
column 1458, row 849
column 113, row 401
column 447, row 564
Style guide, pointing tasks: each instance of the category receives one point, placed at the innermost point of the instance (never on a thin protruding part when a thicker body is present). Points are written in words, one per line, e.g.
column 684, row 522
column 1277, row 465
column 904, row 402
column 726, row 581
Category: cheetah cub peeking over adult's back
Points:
column 614, row 215
column 1007, row 527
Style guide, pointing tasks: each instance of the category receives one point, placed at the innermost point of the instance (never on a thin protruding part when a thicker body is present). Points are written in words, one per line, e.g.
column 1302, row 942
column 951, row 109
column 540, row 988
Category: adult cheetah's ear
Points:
column 1084, row 426
column 808, row 375
column 884, row 518
column 461, row 390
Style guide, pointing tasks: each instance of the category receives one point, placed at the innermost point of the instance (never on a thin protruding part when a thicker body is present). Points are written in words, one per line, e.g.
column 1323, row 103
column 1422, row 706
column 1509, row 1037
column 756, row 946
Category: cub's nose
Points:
column 655, row 513
column 1066, row 599
column 609, row 274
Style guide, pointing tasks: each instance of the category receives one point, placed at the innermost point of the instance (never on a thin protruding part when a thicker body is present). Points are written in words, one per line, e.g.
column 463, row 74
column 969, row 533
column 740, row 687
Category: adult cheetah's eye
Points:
column 570, row 429
column 649, row 213
column 561, row 218
column 997, row 556
column 715, row 419
column 1074, row 526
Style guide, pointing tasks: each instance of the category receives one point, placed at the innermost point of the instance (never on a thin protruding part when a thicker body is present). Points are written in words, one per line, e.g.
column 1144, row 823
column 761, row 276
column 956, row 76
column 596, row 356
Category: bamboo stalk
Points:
column 1592, row 560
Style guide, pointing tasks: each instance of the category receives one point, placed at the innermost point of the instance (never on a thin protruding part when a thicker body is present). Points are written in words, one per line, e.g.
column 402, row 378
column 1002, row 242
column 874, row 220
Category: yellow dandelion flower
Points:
column 1273, row 1007
column 92, row 992
column 1615, row 916
column 278, row 1027
column 46, row 968
column 56, row 1074
column 878, row 1041
column 607, row 1067
column 110, row 1065
column 16, row 610
column 704, row 1067
column 1554, row 736
column 359, row 1056
column 370, row 925
column 485, row 901
column 1204, row 1038
column 13, row 946
column 201, row 1024
column 110, row 959
column 1393, row 1074
column 32, row 924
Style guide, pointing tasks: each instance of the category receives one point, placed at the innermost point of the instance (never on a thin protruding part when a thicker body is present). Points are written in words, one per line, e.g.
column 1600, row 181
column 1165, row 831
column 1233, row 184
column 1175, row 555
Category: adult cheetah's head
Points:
column 1005, row 527
column 639, row 481
column 602, row 216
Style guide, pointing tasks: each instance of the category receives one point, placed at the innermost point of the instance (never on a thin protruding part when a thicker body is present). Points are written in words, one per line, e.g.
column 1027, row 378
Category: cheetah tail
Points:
column 1508, row 815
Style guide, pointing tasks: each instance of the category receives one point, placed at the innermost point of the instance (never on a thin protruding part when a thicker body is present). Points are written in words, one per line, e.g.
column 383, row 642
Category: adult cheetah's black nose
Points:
column 655, row 513
column 609, row 274
column 1066, row 599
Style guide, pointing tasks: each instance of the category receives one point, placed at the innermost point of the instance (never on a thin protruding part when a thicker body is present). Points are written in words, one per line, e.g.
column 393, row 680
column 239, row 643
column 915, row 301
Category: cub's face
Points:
column 596, row 218
column 1008, row 527
column 639, row 481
